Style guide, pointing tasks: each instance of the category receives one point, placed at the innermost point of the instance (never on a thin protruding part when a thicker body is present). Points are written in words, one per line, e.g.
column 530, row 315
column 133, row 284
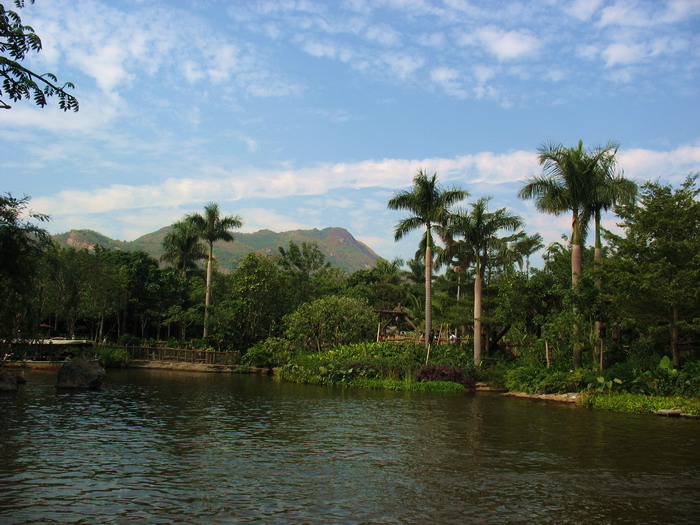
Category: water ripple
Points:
column 161, row 447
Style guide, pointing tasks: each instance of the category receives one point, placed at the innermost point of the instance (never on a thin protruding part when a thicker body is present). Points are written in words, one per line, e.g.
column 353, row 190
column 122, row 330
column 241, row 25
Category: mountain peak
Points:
column 337, row 244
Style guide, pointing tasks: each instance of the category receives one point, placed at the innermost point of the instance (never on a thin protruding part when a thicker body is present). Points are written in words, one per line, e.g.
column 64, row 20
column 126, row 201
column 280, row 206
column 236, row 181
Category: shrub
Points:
column 534, row 380
column 112, row 357
column 639, row 403
column 330, row 320
column 259, row 356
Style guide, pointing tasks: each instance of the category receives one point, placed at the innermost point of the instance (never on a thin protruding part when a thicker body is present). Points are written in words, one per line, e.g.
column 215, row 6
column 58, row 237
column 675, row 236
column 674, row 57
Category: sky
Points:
column 300, row 114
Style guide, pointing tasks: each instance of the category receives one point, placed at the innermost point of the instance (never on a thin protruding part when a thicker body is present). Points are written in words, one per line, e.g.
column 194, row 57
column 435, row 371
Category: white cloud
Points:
column 624, row 13
column 320, row 50
column 256, row 219
column 384, row 35
column 449, row 80
column 403, row 65
column 672, row 166
column 623, row 54
column 507, row 45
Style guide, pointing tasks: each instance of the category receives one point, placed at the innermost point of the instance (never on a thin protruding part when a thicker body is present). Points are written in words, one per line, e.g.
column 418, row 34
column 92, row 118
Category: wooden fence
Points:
column 41, row 351
column 185, row 355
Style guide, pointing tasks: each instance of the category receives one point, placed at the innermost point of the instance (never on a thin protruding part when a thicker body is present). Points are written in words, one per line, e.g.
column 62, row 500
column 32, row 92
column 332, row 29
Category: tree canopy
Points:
column 19, row 82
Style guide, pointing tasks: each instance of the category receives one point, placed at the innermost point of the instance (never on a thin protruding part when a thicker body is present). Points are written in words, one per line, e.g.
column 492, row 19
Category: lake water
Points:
column 174, row 447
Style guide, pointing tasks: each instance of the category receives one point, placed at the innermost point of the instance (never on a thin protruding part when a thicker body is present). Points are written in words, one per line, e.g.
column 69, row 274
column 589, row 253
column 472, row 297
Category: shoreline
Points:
column 572, row 398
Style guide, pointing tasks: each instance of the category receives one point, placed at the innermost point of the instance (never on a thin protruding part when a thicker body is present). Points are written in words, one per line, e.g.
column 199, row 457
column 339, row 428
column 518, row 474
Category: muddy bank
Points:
column 197, row 367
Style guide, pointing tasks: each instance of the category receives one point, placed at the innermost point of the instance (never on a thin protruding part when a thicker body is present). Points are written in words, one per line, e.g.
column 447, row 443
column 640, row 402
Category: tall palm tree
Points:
column 212, row 227
column 568, row 184
column 182, row 247
column 429, row 205
column 609, row 188
column 479, row 228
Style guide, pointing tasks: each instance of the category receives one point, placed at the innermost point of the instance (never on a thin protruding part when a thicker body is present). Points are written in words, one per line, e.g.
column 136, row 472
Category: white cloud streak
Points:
column 479, row 171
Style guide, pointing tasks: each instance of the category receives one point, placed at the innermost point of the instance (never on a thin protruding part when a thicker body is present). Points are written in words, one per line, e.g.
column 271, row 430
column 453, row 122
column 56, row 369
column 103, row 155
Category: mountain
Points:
column 338, row 245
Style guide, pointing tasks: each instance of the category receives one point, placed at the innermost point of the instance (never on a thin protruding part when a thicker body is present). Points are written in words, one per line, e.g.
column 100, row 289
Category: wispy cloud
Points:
column 505, row 45
column 477, row 173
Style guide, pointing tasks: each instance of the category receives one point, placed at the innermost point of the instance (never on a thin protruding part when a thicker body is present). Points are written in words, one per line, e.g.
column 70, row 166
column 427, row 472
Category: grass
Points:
column 640, row 403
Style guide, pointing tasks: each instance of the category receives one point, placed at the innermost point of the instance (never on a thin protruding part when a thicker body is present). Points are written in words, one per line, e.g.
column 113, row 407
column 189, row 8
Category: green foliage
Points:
column 22, row 245
column 392, row 366
column 18, row 82
column 537, row 380
column 330, row 321
column 301, row 265
column 641, row 403
column 248, row 304
column 654, row 272
column 112, row 357
column 258, row 356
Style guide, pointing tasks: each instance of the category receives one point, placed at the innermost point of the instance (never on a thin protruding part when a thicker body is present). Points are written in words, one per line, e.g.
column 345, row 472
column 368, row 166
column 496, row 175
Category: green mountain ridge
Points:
column 337, row 244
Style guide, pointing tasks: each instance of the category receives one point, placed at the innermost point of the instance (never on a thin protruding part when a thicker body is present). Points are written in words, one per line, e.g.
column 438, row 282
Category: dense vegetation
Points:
column 621, row 316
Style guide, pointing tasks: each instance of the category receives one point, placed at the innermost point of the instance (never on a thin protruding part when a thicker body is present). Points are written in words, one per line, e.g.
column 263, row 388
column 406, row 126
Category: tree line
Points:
column 635, row 293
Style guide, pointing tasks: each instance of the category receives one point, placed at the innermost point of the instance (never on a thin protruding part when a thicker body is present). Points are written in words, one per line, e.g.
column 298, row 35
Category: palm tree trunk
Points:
column 598, row 254
column 428, row 291
column 527, row 267
column 207, row 295
column 576, row 264
column 597, row 258
column 477, row 315
column 576, row 269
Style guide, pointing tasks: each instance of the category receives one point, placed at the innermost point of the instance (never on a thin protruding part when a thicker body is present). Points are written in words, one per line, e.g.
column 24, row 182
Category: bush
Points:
column 641, row 404
column 534, row 380
column 112, row 357
column 372, row 365
column 258, row 356
column 331, row 320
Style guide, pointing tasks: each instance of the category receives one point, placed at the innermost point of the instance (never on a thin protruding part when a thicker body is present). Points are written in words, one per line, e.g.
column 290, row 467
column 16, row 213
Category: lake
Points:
column 177, row 447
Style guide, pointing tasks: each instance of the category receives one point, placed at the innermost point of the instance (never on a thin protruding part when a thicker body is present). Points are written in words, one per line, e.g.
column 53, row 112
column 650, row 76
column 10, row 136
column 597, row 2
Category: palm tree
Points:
column 479, row 230
column 457, row 252
column 429, row 205
column 568, row 184
column 182, row 247
column 526, row 246
column 212, row 227
column 609, row 188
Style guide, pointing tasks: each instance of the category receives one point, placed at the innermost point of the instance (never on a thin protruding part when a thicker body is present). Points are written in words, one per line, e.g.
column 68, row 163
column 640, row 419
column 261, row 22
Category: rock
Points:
column 8, row 382
column 81, row 373
column 668, row 412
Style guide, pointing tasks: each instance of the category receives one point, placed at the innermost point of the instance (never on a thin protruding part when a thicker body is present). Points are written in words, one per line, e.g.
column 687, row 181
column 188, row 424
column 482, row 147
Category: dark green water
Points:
column 168, row 447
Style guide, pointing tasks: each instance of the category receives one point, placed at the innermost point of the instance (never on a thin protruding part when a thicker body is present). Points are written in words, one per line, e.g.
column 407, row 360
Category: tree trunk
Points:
column 598, row 258
column 675, row 353
column 428, row 291
column 477, row 316
column 493, row 342
column 527, row 268
column 207, row 294
column 576, row 269
column 576, row 264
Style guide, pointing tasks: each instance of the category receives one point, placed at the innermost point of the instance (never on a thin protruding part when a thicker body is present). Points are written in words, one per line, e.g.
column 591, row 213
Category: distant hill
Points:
column 338, row 245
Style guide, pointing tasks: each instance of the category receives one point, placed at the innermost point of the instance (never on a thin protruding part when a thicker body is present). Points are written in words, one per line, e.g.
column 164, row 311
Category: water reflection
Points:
column 163, row 447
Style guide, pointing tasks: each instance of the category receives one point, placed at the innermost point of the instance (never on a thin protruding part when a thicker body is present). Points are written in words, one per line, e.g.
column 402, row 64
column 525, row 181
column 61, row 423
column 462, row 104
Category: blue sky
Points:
column 310, row 114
